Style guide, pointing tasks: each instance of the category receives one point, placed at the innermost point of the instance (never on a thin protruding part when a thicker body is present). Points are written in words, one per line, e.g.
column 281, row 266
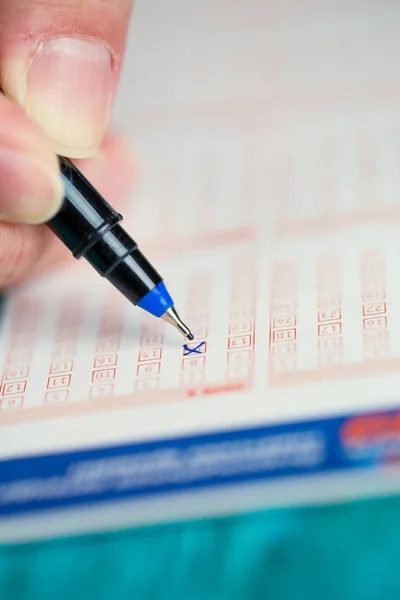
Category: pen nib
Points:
column 172, row 317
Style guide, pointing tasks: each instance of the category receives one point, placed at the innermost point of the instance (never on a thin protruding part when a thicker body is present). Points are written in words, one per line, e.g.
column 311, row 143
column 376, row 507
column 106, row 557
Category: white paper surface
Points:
column 268, row 199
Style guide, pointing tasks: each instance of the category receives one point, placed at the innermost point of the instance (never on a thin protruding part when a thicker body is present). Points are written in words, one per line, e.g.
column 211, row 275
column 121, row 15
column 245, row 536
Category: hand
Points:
column 60, row 62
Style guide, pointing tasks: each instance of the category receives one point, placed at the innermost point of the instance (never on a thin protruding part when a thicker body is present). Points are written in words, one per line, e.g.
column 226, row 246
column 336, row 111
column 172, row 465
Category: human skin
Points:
column 60, row 62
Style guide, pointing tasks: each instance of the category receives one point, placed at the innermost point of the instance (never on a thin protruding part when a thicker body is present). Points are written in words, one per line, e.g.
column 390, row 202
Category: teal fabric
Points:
column 342, row 552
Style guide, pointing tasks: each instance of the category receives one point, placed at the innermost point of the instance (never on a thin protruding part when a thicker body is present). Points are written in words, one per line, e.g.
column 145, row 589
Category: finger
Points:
column 60, row 60
column 28, row 251
column 31, row 189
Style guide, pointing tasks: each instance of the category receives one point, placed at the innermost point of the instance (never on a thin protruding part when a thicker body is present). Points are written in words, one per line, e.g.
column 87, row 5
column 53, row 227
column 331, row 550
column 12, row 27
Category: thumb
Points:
column 60, row 61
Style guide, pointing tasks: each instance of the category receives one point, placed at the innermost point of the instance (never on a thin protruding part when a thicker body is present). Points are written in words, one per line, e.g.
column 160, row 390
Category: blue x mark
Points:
column 187, row 350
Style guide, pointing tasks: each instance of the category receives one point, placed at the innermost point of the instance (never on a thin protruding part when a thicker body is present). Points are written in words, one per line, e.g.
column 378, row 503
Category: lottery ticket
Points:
column 269, row 201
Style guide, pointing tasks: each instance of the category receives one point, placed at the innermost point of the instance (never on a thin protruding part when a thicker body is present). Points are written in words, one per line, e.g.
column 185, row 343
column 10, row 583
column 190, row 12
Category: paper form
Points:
column 270, row 203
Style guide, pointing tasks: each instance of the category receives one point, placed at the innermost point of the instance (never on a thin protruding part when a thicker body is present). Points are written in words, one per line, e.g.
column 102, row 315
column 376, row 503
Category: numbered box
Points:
column 16, row 373
column 63, row 351
column 148, row 369
column 11, row 403
column 57, row 397
column 150, row 354
column 19, row 357
column 151, row 339
column 283, row 335
column 283, row 321
column 376, row 308
column 242, row 341
column 240, row 327
column 284, row 364
column 329, row 344
column 283, row 306
column 147, row 384
column 242, row 313
column 373, row 295
column 200, row 333
column 105, row 360
column 102, row 390
column 192, row 378
column 284, row 350
column 17, row 387
column 239, row 356
column 103, row 375
column 58, row 381
column 330, row 329
column 197, row 318
column 375, row 323
column 325, row 301
column 329, row 314
column 239, row 371
column 61, row 366
column 376, row 337
column 110, row 344
column 194, row 349
column 193, row 363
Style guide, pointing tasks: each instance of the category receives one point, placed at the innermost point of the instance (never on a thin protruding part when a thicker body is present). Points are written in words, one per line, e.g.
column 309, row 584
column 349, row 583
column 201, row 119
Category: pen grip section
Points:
column 117, row 258
column 91, row 228
column 85, row 216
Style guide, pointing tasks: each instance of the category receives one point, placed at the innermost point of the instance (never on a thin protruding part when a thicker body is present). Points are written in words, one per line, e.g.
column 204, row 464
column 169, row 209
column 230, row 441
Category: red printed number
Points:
column 16, row 373
column 375, row 323
column 239, row 356
column 10, row 403
column 284, row 321
column 142, row 385
column 284, row 335
column 55, row 397
column 193, row 363
column 106, row 360
column 239, row 342
column 150, row 354
column 61, row 366
column 240, row 327
column 329, row 315
column 284, row 350
column 101, row 391
column 14, row 388
column 104, row 375
column 374, row 309
column 155, row 339
column 57, row 382
column 330, row 329
column 148, row 369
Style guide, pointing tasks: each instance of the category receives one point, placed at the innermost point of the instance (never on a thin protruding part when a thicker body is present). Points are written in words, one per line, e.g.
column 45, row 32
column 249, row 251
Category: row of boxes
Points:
column 283, row 319
column 24, row 322
column 105, row 360
column 194, row 354
column 150, row 353
column 241, row 327
column 329, row 312
column 374, row 308
column 68, row 324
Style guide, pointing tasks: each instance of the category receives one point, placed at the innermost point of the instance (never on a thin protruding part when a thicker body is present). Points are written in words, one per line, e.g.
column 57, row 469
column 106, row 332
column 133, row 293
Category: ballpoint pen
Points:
column 91, row 228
